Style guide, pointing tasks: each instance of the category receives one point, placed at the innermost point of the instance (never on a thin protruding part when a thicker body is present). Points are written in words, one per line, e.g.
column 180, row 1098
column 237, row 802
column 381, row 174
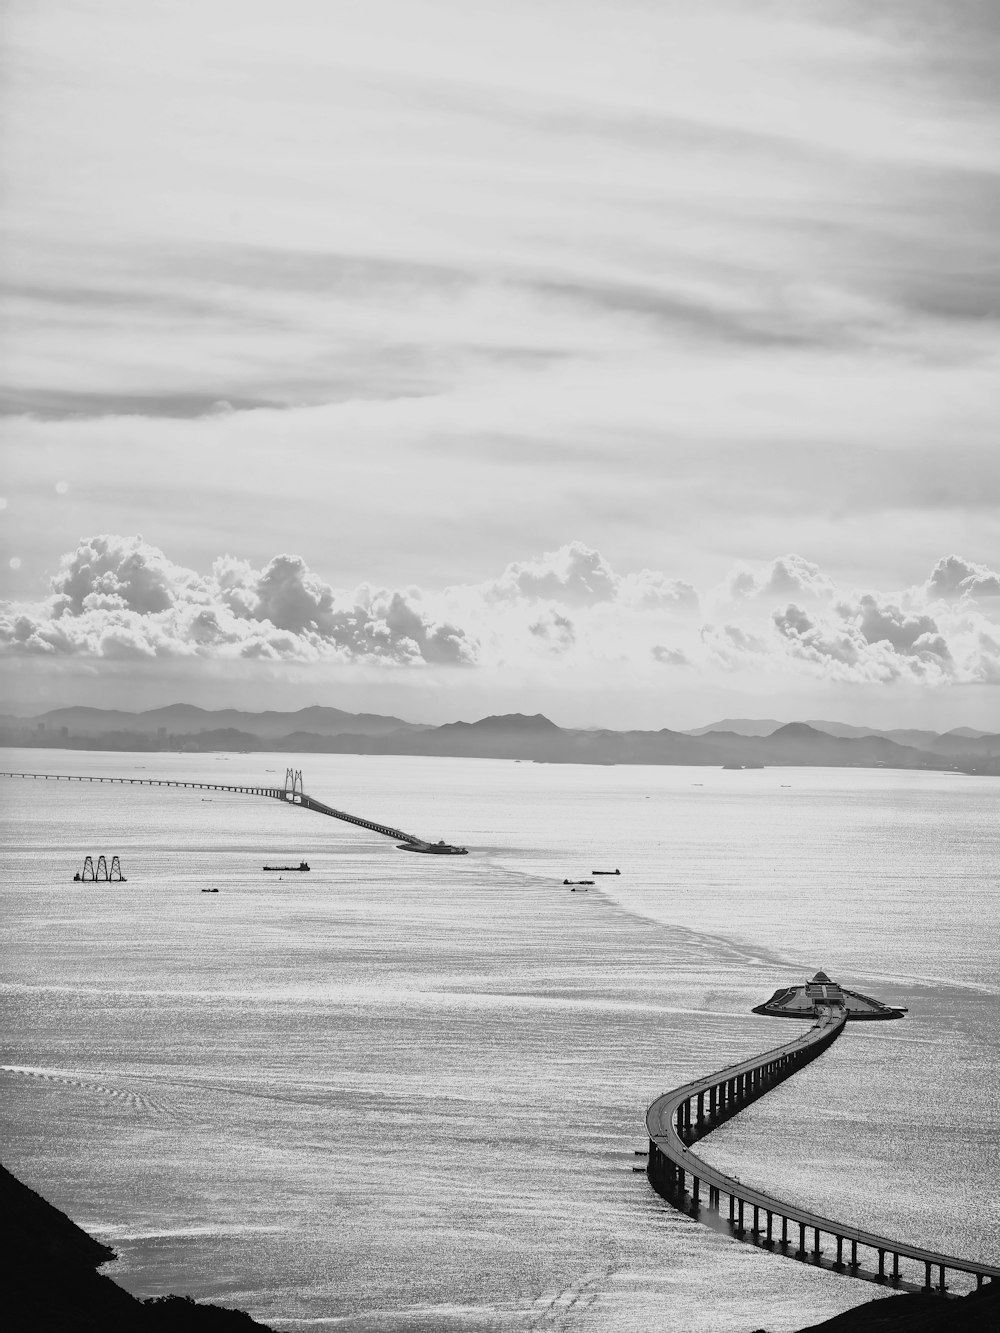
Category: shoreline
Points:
column 53, row 1278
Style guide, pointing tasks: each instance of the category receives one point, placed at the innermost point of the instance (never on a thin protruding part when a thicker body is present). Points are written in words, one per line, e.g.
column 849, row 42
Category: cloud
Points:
column 953, row 578
column 888, row 624
column 555, row 630
column 788, row 576
column 669, row 656
column 733, row 647
column 655, row 591
column 566, row 611
column 114, row 573
column 789, row 617
column 119, row 597
column 872, row 643
column 576, row 575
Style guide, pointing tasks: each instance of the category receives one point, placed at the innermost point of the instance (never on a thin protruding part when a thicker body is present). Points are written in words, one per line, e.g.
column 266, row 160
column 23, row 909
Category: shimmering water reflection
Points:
column 400, row 1092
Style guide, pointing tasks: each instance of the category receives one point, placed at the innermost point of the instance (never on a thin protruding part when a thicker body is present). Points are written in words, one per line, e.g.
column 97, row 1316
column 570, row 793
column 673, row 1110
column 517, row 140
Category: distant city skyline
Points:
column 632, row 364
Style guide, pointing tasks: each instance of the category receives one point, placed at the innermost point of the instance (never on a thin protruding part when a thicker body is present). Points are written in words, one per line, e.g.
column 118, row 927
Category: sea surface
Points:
column 406, row 1093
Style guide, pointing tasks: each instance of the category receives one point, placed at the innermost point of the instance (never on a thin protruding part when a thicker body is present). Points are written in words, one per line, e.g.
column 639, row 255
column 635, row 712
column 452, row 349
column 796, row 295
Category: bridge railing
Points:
column 688, row 1113
column 292, row 792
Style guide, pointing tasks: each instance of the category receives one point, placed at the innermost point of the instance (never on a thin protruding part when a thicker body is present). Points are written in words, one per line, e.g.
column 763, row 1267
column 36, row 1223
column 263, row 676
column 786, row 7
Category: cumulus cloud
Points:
column 788, row 616
column 886, row 623
column 576, row 576
column 953, row 578
column 655, row 591
column 788, row 576
column 119, row 597
column 871, row 642
column 115, row 573
column 566, row 610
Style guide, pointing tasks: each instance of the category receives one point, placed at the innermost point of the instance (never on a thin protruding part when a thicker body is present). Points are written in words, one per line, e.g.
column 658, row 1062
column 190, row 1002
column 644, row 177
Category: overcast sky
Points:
column 633, row 362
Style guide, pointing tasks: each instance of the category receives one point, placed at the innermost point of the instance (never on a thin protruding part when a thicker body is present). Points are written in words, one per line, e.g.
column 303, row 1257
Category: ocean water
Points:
column 405, row 1092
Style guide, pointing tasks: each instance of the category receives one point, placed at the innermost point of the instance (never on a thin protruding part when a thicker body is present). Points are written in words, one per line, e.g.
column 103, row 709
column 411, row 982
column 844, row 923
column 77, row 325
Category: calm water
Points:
column 404, row 1093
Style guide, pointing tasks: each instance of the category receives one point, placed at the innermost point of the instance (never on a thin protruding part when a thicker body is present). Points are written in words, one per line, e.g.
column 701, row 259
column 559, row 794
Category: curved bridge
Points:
column 291, row 792
column 681, row 1117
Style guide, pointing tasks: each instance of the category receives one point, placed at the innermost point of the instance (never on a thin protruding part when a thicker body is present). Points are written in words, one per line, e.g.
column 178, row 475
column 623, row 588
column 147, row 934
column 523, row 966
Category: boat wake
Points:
column 127, row 1100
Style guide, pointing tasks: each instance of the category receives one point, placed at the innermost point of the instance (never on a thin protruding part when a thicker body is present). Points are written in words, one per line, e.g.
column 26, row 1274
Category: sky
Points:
column 633, row 362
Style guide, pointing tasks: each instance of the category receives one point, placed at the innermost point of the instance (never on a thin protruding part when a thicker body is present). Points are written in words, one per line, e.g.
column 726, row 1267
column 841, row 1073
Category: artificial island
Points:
column 803, row 1001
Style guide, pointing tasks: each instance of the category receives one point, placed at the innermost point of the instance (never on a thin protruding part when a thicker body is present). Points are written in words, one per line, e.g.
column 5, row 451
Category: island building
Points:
column 805, row 1001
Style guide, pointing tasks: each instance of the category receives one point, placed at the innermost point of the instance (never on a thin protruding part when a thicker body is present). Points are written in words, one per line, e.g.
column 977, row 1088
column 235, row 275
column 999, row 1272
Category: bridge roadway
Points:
column 311, row 803
column 293, row 797
column 681, row 1117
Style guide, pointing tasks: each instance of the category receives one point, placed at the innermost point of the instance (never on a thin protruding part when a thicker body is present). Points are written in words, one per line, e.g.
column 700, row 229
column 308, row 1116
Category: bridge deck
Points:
column 311, row 803
column 275, row 793
column 249, row 789
column 664, row 1136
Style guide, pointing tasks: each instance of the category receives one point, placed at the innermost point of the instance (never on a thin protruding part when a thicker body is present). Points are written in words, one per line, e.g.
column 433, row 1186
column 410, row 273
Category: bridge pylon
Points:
column 294, row 790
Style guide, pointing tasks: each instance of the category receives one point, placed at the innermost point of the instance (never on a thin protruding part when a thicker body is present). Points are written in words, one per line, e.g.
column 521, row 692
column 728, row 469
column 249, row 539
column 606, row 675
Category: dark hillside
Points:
column 51, row 1279
column 920, row 1313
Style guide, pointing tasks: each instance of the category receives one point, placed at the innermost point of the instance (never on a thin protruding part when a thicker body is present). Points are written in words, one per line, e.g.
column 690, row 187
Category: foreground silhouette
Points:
column 51, row 1279
column 918, row 1312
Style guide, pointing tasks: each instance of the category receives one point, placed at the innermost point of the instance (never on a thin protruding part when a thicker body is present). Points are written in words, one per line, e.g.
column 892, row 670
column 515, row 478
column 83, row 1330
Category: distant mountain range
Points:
column 177, row 719
column 948, row 742
column 735, row 742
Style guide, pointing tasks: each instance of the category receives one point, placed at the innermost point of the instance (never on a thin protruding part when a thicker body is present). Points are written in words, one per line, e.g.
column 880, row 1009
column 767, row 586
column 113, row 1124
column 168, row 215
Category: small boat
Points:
column 302, row 865
column 578, row 881
column 210, row 890
column 616, row 871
